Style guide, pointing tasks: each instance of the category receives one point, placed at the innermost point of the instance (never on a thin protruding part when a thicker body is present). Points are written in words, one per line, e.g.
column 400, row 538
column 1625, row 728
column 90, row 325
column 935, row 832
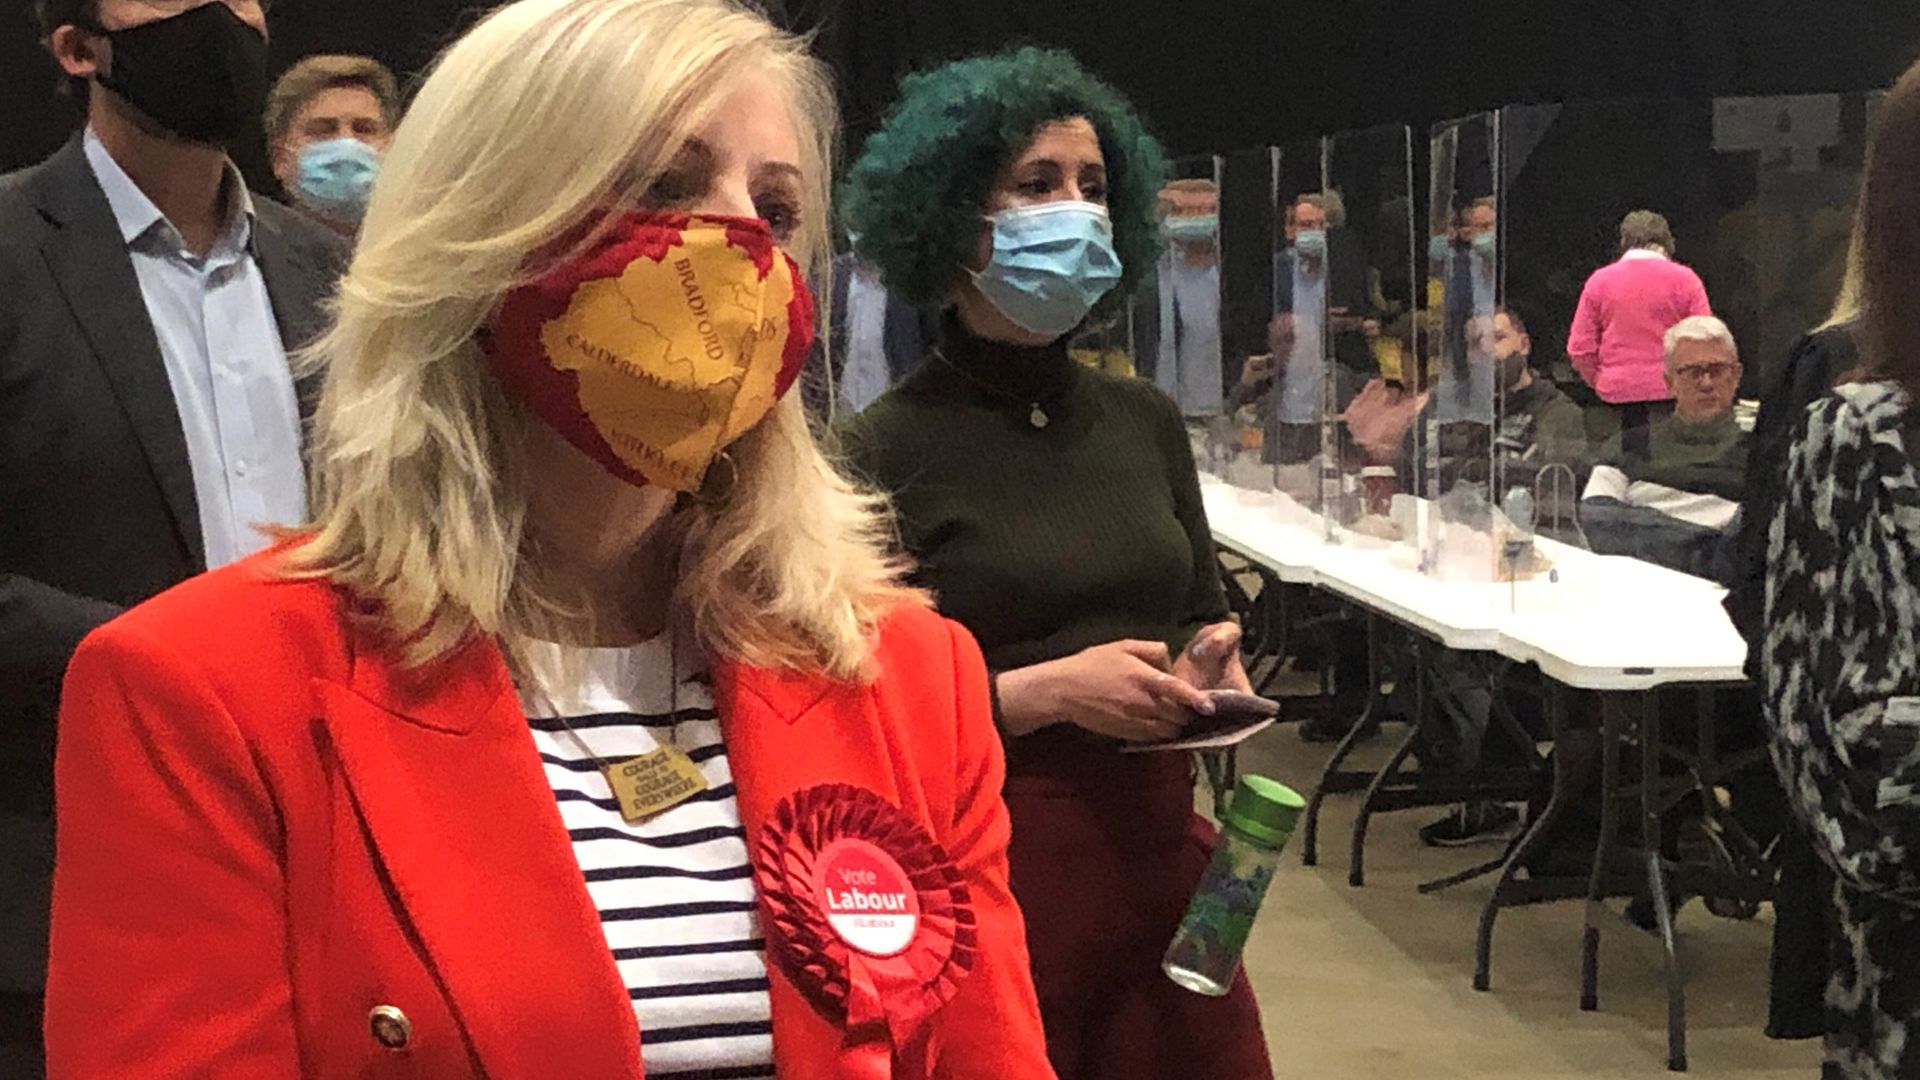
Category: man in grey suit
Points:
column 149, row 417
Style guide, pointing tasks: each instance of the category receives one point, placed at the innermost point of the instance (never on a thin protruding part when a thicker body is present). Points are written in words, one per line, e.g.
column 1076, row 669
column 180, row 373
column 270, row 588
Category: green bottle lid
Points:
column 1264, row 810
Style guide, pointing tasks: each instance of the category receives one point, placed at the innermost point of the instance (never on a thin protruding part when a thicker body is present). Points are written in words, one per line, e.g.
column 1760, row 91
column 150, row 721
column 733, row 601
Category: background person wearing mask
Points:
column 1188, row 359
column 1467, row 266
column 1624, row 313
column 328, row 121
column 1539, row 425
column 1296, row 335
column 1289, row 381
column 1055, row 512
column 148, row 417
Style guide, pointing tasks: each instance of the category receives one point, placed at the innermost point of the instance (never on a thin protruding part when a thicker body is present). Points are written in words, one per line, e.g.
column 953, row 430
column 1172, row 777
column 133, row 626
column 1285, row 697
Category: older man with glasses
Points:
column 1684, row 488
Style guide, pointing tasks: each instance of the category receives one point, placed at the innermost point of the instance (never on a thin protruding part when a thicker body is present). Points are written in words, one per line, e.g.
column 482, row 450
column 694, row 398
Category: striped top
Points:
column 675, row 892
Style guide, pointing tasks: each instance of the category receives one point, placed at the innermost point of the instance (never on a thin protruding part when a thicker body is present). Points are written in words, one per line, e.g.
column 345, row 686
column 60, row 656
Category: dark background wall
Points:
column 1212, row 75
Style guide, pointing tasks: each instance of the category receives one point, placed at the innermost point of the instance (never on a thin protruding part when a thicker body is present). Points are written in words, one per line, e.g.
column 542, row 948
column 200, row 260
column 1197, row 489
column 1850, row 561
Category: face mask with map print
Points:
column 668, row 338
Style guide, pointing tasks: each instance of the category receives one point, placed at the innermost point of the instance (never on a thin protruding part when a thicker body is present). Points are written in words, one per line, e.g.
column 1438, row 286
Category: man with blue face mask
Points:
column 1320, row 299
column 149, row 419
column 1468, row 267
column 1187, row 364
column 328, row 121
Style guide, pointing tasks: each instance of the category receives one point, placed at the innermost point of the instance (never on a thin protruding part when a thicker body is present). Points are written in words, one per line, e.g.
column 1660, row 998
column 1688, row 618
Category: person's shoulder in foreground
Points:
column 239, row 627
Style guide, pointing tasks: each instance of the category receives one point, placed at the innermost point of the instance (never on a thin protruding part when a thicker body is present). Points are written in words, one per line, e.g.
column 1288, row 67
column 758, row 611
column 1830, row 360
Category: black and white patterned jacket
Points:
column 1841, row 658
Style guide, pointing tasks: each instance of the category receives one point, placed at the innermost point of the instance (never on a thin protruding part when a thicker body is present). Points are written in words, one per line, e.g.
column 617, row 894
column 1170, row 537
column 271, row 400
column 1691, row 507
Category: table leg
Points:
column 1612, row 731
column 1310, row 838
column 1357, row 866
column 1566, row 753
column 1650, row 754
column 1498, row 715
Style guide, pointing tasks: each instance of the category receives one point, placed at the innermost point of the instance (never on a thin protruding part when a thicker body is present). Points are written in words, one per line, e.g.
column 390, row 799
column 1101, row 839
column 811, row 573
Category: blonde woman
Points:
column 587, row 730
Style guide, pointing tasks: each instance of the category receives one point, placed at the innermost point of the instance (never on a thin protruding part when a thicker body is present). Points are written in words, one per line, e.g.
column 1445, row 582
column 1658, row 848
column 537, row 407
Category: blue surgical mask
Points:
column 1051, row 263
column 1439, row 247
column 336, row 177
column 1483, row 244
column 1190, row 229
column 1311, row 243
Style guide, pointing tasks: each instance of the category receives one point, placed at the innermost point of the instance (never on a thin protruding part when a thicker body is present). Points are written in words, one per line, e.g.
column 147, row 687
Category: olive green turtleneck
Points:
column 1042, row 540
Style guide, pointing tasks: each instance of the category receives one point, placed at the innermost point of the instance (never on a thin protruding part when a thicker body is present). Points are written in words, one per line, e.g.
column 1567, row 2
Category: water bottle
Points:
column 1205, row 954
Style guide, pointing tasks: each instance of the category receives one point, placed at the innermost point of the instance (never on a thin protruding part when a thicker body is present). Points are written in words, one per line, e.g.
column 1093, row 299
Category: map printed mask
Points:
column 669, row 338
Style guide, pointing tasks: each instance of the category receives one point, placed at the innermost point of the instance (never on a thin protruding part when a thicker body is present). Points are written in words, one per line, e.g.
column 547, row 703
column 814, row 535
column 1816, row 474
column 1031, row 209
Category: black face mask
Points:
column 201, row 74
column 1511, row 368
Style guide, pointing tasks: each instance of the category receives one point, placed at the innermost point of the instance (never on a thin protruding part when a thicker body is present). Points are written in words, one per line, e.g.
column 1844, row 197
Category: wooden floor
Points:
column 1374, row 983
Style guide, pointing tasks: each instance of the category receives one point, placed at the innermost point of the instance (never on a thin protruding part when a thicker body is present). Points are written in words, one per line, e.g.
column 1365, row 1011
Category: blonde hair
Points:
column 541, row 122
column 1847, row 305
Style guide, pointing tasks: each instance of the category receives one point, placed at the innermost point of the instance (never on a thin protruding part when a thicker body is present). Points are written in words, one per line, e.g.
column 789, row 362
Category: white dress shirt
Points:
column 225, row 363
column 1303, row 390
column 865, row 375
column 1190, row 362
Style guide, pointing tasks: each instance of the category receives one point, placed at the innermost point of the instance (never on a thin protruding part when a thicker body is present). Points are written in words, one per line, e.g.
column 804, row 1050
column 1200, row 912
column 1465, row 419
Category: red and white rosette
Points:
column 866, row 914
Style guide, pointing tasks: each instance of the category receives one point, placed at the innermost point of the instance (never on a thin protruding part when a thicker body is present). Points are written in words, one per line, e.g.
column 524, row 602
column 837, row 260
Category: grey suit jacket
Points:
column 97, row 506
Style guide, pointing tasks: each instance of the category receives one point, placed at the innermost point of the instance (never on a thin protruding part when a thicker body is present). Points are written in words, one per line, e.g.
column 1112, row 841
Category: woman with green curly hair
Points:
column 1055, row 512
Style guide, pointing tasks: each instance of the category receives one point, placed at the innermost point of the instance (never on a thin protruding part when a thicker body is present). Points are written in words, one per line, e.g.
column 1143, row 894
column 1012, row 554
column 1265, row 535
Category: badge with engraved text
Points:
column 653, row 783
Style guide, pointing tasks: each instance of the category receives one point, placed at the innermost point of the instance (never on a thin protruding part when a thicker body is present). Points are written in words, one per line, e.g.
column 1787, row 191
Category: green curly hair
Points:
column 916, row 196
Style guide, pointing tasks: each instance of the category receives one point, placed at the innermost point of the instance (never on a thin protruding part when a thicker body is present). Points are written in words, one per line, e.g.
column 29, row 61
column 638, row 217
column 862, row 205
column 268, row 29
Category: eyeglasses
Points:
column 1700, row 373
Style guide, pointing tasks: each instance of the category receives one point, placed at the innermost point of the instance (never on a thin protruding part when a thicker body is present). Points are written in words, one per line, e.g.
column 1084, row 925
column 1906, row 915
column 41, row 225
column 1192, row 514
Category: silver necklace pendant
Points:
column 1038, row 417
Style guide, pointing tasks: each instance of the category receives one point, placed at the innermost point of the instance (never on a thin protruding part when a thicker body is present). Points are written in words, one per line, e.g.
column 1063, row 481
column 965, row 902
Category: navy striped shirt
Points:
column 675, row 893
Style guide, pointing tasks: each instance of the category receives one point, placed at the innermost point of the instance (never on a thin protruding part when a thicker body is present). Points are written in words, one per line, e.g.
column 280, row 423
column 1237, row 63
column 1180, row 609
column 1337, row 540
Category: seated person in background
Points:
column 1539, row 425
column 1676, row 500
column 328, row 122
column 1625, row 308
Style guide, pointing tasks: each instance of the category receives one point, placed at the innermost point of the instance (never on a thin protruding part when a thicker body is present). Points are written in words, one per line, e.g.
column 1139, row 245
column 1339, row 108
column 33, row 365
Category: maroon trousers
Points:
column 1106, row 853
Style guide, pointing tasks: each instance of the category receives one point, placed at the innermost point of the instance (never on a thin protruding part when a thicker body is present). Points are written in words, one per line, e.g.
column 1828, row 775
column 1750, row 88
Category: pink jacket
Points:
column 1625, row 312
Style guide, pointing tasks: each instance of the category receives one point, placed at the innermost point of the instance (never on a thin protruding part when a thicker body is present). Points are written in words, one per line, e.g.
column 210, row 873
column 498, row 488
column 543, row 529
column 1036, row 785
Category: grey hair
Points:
column 1700, row 328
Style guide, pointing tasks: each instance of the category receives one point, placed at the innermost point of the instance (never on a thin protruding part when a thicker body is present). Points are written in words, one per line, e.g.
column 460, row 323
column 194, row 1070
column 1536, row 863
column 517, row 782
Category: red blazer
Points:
column 266, row 829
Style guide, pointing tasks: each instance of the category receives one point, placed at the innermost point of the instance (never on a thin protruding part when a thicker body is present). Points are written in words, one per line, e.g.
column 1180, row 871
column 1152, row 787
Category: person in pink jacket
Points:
column 1625, row 311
